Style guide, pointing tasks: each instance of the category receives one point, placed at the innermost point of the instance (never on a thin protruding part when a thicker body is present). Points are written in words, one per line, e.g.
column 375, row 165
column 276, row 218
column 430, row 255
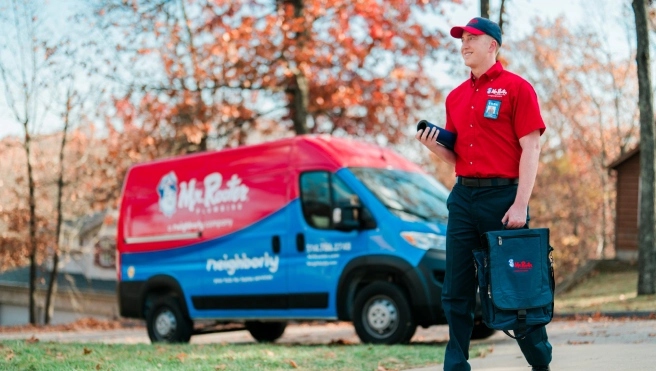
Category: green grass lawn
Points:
column 23, row 355
column 606, row 292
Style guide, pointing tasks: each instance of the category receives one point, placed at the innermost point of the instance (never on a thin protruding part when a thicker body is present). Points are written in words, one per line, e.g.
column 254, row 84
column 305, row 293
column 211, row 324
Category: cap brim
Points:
column 459, row 30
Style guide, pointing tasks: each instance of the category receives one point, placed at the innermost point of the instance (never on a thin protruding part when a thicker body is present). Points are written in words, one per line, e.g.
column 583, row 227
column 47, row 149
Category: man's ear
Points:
column 493, row 46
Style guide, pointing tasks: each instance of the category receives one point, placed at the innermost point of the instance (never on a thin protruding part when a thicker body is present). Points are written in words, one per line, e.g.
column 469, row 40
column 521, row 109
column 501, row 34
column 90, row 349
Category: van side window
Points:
column 316, row 200
column 321, row 192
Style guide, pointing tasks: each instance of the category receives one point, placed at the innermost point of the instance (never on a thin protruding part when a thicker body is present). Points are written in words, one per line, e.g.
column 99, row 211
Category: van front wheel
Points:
column 266, row 332
column 382, row 315
column 167, row 323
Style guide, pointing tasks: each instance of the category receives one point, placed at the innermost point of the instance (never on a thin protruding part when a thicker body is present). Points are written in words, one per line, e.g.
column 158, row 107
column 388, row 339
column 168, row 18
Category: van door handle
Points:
column 300, row 242
column 275, row 243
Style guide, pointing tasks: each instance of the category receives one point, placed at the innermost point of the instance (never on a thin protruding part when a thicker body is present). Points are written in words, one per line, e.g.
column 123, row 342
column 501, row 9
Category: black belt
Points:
column 486, row 182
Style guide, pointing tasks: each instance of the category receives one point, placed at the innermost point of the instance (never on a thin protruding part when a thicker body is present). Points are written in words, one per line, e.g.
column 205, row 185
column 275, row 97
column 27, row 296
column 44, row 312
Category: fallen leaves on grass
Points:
column 98, row 366
column 81, row 324
column 341, row 342
column 383, row 368
column 269, row 353
column 59, row 356
column 220, row 367
column 482, row 352
column 87, row 351
column 32, row 340
column 10, row 355
column 293, row 364
column 181, row 356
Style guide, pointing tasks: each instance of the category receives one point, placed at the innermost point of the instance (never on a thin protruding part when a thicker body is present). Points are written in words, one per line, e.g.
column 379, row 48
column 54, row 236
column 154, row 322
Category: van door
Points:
column 321, row 250
column 243, row 274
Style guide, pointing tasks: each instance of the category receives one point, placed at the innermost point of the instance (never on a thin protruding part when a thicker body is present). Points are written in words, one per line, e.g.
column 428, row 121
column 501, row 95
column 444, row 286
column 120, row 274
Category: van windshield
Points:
column 410, row 196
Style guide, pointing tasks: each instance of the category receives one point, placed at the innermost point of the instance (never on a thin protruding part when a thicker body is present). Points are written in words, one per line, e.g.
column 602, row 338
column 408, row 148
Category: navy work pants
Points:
column 472, row 212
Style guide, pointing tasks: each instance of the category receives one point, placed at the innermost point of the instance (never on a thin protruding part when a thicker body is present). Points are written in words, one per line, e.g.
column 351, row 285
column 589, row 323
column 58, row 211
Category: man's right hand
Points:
column 429, row 139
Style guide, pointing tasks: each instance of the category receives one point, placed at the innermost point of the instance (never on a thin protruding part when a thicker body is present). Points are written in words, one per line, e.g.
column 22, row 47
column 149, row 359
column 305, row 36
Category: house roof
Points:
column 90, row 222
column 65, row 281
column 622, row 159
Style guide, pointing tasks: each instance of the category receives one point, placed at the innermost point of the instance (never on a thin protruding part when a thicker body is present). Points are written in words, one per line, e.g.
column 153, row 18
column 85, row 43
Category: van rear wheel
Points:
column 266, row 332
column 382, row 315
column 166, row 323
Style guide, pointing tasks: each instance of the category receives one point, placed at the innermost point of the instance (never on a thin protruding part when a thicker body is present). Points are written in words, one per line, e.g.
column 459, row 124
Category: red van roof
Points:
column 320, row 150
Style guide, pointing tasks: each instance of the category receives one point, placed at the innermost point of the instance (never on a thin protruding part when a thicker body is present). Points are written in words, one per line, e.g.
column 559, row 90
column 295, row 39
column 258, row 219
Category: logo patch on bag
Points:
column 522, row 266
column 492, row 109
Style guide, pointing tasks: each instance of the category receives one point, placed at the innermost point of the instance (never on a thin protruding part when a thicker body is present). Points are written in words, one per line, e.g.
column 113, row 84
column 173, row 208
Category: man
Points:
column 497, row 120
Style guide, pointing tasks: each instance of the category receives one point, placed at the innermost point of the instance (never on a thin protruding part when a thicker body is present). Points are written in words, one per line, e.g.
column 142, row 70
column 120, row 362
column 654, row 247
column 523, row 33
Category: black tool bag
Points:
column 516, row 280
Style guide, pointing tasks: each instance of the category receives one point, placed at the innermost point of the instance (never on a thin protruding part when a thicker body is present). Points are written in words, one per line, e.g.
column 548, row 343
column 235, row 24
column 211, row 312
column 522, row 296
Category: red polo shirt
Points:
column 490, row 114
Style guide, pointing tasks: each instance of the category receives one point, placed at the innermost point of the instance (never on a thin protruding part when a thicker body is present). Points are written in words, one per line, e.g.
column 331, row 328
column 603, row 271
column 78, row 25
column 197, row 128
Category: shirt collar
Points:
column 491, row 74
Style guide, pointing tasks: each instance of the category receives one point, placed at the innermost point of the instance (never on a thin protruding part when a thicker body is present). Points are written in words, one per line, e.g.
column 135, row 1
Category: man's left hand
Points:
column 515, row 217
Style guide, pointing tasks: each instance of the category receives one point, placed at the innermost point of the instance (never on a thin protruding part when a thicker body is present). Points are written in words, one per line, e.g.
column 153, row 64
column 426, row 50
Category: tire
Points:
column 166, row 323
column 481, row 331
column 266, row 332
column 382, row 315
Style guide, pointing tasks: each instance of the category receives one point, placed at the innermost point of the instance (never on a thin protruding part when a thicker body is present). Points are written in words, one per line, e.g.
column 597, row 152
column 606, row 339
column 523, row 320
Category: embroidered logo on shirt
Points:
column 497, row 92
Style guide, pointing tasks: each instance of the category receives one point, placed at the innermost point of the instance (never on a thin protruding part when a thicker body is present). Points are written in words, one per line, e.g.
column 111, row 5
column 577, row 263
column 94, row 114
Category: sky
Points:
column 605, row 16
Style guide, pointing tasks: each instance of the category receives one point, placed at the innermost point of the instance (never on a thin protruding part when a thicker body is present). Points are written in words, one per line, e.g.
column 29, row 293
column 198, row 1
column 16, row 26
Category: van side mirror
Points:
column 347, row 218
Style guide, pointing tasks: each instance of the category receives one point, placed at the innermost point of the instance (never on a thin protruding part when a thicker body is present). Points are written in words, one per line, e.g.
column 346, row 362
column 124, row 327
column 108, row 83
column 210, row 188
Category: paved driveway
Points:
column 578, row 345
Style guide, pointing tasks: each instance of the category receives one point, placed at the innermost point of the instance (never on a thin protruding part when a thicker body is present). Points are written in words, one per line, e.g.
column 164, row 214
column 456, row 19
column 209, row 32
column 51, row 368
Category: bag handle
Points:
column 524, row 335
column 503, row 228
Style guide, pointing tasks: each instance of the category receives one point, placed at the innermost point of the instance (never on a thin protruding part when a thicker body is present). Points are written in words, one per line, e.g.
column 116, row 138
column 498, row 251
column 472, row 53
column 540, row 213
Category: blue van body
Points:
column 283, row 268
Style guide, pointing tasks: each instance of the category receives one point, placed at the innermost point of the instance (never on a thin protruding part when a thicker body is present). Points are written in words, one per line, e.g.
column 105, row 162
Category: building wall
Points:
column 626, row 220
column 13, row 315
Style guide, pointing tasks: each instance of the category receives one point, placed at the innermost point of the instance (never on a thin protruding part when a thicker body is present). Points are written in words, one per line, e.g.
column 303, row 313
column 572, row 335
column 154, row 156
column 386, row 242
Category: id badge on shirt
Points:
column 492, row 109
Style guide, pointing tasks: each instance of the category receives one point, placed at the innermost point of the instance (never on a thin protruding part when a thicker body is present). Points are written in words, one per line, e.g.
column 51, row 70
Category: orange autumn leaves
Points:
column 221, row 70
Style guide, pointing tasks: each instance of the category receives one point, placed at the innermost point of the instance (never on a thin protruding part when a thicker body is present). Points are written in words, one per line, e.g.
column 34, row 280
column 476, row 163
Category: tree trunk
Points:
column 298, row 90
column 647, row 227
column 199, row 109
column 485, row 9
column 299, row 103
column 32, row 228
column 52, row 285
column 502, row 10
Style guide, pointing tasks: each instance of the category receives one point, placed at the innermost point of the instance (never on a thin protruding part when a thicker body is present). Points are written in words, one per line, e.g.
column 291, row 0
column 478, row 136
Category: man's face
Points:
column 475, row 49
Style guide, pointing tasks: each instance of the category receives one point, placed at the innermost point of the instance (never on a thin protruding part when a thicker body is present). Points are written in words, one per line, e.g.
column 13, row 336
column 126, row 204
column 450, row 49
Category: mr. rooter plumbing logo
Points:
column 210, row 198
column 522, row 266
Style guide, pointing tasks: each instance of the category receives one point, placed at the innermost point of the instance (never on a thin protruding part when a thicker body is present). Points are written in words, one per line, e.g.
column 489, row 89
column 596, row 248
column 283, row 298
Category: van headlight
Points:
column 425, row 240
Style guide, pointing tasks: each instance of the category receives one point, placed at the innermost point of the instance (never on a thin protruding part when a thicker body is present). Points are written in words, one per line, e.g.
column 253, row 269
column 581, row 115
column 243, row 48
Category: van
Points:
column 300, row 229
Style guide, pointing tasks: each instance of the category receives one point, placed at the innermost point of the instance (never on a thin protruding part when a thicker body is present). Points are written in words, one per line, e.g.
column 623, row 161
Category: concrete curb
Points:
column 579, row 316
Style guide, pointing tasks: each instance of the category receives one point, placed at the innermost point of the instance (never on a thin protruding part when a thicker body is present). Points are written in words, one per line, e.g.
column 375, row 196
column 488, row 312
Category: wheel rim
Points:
column 380, row 316
column 165, row 324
